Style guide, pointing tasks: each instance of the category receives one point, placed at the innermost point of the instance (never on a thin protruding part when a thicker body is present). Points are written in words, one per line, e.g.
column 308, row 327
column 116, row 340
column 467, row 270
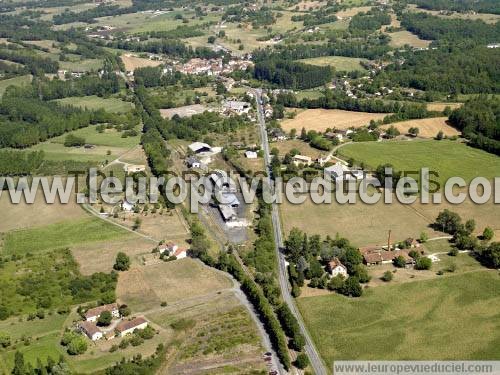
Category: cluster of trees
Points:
column 22, row 367
column 15, row 163
column 89, row 15
column 137, row 338
column 40, row 290
column 34, row 63
column 292, row 75
column 74, row 342
column 228, row 263
column 318, row 17
column 369, row 48
column 309, row 256
column 369, row 21
column 122, row 262
column 480, row 6
column 464, row 239
column 26, row 121
column 450, row 70
column 453, row 30
column 171, row 47
column 258, row 17
column 479, row 121
column 180, row 32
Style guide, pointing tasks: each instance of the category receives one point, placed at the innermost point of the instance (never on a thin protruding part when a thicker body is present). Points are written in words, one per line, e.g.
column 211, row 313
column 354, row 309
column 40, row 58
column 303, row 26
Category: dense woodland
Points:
column 479, row 121
column 480, row 6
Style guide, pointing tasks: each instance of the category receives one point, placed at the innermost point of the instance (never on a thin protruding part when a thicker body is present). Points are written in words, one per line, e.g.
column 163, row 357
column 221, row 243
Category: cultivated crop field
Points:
column 428, row 127
column 448, row 158
column 132, row 62
column 410, row 320
column 340, row 63
column 322, row 119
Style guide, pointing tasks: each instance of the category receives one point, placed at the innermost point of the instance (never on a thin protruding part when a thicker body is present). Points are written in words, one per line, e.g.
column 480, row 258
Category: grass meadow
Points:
column 450, row 318
column 448, row 158
column 95, row 102
column 340, row 63
column 16, row 81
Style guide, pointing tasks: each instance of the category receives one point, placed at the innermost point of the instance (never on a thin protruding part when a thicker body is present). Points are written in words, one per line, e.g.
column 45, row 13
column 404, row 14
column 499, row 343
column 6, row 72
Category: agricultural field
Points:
column 428, row 127
column 110, row 138
column 349, row 12
column 132, row 62
column 307, row 5
column 322, row 119
column 486, row 17
column 358, row 328
column 291, row 144
column 438, row 106
column 340, row 63
column 217, row 335
column 16, row 81
column 402, row 38
column 57, row 152
column 362, row 224
column 94, row 102
column 144, row 288
column 415, row 154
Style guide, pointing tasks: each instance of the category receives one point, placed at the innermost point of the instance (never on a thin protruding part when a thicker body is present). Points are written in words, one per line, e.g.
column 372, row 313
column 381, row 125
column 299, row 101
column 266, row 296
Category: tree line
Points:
column 479, row 121
column 480, row 6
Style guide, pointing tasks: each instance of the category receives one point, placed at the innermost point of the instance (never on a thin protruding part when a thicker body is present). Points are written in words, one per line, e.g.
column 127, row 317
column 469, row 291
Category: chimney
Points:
column 389, row 241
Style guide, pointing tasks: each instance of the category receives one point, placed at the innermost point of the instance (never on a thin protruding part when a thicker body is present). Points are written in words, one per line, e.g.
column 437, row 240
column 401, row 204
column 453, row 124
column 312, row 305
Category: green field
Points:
column 57, row 152
column 94, row 102
column 60, row 235
column 340, row 63
column 16, row 81
column 450, row 318
column 448, row 158
column 82, row 65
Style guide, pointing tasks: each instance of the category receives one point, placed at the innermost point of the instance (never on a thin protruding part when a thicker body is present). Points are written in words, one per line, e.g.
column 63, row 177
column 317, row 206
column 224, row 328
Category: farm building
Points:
column 237, row 107
column 171, row 249
column 250, row 154
column 386, row 257
column 222, row 181
column 338, row 172
column 335, row 268
column 93, row 314
column 134, row 168
column 228, row 213
column 277, row 134
column 90, row 330
column 200, row 147
column 127, row 327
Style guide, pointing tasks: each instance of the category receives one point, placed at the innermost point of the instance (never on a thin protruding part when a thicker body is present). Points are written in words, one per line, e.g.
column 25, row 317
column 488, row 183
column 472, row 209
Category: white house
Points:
column 302, row 159
column 251, row 154
column 91, row 330
column 200, row 147
column 134, row 168
column 93, row 314
column 237, row 106
column 171, row 249
column 335, row 268
column 126, row 206
column 338, row 172
column 127, row 327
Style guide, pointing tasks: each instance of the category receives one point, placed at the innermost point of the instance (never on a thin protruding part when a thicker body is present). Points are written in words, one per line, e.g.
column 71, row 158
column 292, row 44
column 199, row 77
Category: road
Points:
column 314, row 357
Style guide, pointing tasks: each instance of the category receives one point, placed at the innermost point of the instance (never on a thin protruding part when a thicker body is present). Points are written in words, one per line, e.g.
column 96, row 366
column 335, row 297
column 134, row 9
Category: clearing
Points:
column 94, row 102
column 410, row 320
column 340, row 63
column 402, row 38
column 133, row 62
column 322, row 119
column 16, row 81
column 428, row 127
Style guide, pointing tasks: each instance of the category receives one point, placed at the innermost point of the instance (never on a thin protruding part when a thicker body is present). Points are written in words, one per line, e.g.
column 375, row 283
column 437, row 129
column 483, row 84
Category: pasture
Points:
column 410, row 320
column 402, row 38
column 296, row 144
column 340, row 63
column 322, row 119
column 349, row 12
column 144, row 288
column 448, row 158
column 94, row 102
column 16, row 81
column 58, row 152
column 109, row 138
column 440, row 106
column 60, row 235
column 428, row 127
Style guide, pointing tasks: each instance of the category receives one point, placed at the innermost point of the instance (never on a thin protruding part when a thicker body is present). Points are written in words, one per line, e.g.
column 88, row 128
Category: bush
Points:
column 388, row 276
column 302, row 361
column 423, row 263
column 113, row 348
column 488, row 234
column 453, row 252
column 399, row 262
column 73, row 141
column 4, row 340
column 352, row 287
column 104, row 319
column 77, row 345
column 122, row 262
column 136, row 340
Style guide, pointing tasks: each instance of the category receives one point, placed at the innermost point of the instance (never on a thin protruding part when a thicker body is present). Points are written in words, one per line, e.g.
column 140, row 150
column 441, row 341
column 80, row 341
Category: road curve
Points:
column 314, row 357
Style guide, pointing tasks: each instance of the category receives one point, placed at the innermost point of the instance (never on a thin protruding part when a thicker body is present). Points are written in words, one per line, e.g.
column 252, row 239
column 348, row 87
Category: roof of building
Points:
column 230, row 199
column 235, row 104
column 192, row 160
column 334, row 263
column 179, row 251
column 385, row 256
column 129, row 324
column 96, row 311
column 89, row 328
column 227, row 211
column 303, row 158
column 197, row 146
column 250, row 154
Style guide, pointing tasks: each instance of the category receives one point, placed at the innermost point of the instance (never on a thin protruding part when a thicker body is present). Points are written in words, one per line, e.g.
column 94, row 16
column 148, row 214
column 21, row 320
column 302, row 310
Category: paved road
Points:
column 316, row 362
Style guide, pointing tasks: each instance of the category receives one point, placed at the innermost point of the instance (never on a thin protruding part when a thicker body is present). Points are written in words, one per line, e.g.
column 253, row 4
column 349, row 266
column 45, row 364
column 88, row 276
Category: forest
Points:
column 480, row 6
column 479, row 121
column 292, row 75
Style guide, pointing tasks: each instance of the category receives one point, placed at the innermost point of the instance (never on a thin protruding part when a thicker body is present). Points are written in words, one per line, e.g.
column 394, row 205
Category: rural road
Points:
column 314, row 357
